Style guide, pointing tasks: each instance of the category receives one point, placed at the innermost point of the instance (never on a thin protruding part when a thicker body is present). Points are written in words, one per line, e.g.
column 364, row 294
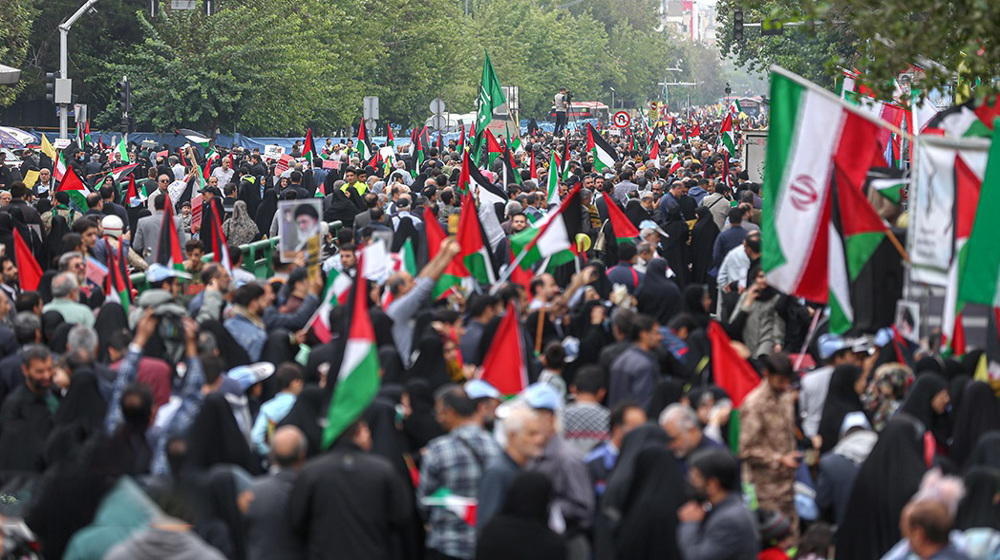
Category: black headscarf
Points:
column 703, row 236
column 635, row 212
column 676, row 249
column 887, row 479
column 80, row 415
column 7, row 233
column 392, row 365
column 601, row 283
column 54, row 241
column 978, row 508
column 658, row 296
column 305, row 415
column 430, row 365
column 421, row 426
column 265, row 211
column 694, row 294
column 110, row 319
column 338, row 205
column 977, row 414
column 649, row 528
column 987, row 451
column 841, row 399
column 215, row 438
column 667, row 392
column 520, row 530
column 918, row 405
column 230, row 351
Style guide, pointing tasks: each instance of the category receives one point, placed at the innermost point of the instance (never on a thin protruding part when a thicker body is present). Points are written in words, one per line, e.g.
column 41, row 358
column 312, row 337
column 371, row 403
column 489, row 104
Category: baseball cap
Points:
column 158, row 273
column 854, row 419
column 542, row 396
column 479, row 389
column 248, row 376
column 650, row 224
column 830, row 344
column 112, row 225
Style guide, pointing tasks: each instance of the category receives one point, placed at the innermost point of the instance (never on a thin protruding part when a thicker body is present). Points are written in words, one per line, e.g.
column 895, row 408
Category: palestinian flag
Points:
column 132, row 198
column 358, row 380
column 855, row 233
column 116, row 286
column 492, row 147
column 463, row 175
column 418, row 156
column 553, row 236
column 504, row 364
column 888, row 182
column 802, row 166
column 122, row 150
column 29, row 273
column 454, row 271
column 461, row 139
column 564, row 161
column 219, row 249
column 734, row 107
column 968, row 186
column 194, row 138
column 475, row 254
column 168, row 249
column 308, row 149
column 604, row 154
column 726, row 135
column 464, row 507
column 553, row 181
column 336, row 292
column 534, row 167
column 623, row 228
column 86, row 132
column 406, row 258
column 511, row 174
column 492, row 200
column 77, row 191
column 80, row 140
column 122, row 171
column 364, row 150
column 979, row 261
column 654, row 153
column 729, row 370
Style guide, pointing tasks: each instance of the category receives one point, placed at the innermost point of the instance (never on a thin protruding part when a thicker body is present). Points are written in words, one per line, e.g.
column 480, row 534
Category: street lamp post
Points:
column 64, row 62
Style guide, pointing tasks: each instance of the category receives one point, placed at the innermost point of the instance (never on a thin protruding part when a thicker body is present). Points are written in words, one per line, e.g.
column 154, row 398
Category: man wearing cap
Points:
column 834, row 351
column 563, row 464
column 454, row 463
column 112, row 227
column 839, row 467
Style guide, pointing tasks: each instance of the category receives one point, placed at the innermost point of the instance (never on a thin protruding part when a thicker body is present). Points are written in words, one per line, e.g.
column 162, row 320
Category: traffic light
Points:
column 50, row 86
column 738, row 25
column 124, row 97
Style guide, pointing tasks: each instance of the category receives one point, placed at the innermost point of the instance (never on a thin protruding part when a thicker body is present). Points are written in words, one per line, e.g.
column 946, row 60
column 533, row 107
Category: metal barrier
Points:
column 257, row 258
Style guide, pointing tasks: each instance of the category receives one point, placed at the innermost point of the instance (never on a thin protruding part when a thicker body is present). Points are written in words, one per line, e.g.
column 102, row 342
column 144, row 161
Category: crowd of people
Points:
column 189, row 423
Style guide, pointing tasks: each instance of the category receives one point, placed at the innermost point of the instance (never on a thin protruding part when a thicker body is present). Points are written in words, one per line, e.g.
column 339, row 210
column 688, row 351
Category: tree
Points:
column 16, row 16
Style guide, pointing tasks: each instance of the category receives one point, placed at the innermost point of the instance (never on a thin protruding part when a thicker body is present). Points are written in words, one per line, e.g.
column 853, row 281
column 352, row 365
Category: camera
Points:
column 569, row 96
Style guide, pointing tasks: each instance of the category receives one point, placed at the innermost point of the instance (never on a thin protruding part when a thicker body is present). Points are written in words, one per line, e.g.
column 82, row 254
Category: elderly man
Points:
column 525, row 434
column 263, row 503
column 680, row 422
column 65, row 300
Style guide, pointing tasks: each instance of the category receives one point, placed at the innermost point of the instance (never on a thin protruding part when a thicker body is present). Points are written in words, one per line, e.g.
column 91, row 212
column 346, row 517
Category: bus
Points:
column 750, row 106
column 585, row 110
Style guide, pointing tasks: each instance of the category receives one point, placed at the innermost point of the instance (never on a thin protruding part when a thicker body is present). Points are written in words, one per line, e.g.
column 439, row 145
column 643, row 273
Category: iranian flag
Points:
column 604, row 154
column 812, row 134
column 77, row 191
column 968, row 186
column 454, row 271
column 122, row 150
column 726, row 134
column 60, row 169
column 462, row 506
column 364, row 150
column 358, row 381
column 553, row 182
column 336, row 292
column 504, row 364
column 979, row 261
column 475, row 254
column 194, row 137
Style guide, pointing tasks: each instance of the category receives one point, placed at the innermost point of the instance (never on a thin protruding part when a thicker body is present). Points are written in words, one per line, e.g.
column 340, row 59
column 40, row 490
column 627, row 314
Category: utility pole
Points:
column 64, row 101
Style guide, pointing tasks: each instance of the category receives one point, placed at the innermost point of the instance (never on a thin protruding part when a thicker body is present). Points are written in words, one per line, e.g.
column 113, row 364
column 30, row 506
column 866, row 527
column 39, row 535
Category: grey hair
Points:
column 64, row 284
column 34, row 352
column 643, row 247
column 513, row 207
column 66, row 257
column 681, row 415
column 516, row 418
column 82, row 337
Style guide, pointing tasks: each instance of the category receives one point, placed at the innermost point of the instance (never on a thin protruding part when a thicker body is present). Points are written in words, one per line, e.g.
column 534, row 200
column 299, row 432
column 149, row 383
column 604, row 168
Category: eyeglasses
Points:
column 164, row 180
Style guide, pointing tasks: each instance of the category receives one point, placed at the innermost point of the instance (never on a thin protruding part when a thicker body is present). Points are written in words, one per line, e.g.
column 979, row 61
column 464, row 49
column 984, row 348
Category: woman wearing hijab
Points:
column 520, row 530
column 393, row 372
column 215, row 438
column 987, row 452
column 703, row 236
column 649, row 527
column 421, row 426
column 657, row 295
column 928, row 403
column 636, row 213
column 305, row 415
column 887, row 392
column 698, row 303
column 978, row 514
column 758, row 318
column 430, row 364
column 239, row 228
column 337, row 204
column 7, row 233
column 265, row 212
column 842, row 398
column 677, row 249
column 978, row 414
column 885, row 483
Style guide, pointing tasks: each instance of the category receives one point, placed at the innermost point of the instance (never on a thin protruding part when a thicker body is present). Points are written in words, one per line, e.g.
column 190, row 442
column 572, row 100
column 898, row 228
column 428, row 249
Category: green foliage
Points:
column 15, row 27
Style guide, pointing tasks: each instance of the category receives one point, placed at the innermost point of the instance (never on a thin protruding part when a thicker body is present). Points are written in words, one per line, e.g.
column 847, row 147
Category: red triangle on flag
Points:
column 503, row 366
column 729, row 370
column 70, row 182
column 29, row 273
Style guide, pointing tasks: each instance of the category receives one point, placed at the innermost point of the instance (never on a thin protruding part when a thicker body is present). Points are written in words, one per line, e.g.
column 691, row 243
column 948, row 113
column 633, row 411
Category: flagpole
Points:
column 830, row 96
column 508, row 271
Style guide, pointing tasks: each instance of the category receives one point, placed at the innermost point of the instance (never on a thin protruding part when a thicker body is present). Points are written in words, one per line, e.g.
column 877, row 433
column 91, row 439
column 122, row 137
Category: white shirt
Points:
column 179, row 171
column 223, row 175
column 734, row 267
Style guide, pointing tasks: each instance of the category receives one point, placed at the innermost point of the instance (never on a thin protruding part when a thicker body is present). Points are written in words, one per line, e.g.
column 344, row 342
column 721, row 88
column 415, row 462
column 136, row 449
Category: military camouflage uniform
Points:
column 766, row 433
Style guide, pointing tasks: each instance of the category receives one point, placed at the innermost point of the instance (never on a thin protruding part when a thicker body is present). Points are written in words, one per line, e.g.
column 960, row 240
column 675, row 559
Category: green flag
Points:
column 490, row 97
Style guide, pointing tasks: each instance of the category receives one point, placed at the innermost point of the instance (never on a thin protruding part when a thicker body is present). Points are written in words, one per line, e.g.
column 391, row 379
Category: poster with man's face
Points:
column 298, row 227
